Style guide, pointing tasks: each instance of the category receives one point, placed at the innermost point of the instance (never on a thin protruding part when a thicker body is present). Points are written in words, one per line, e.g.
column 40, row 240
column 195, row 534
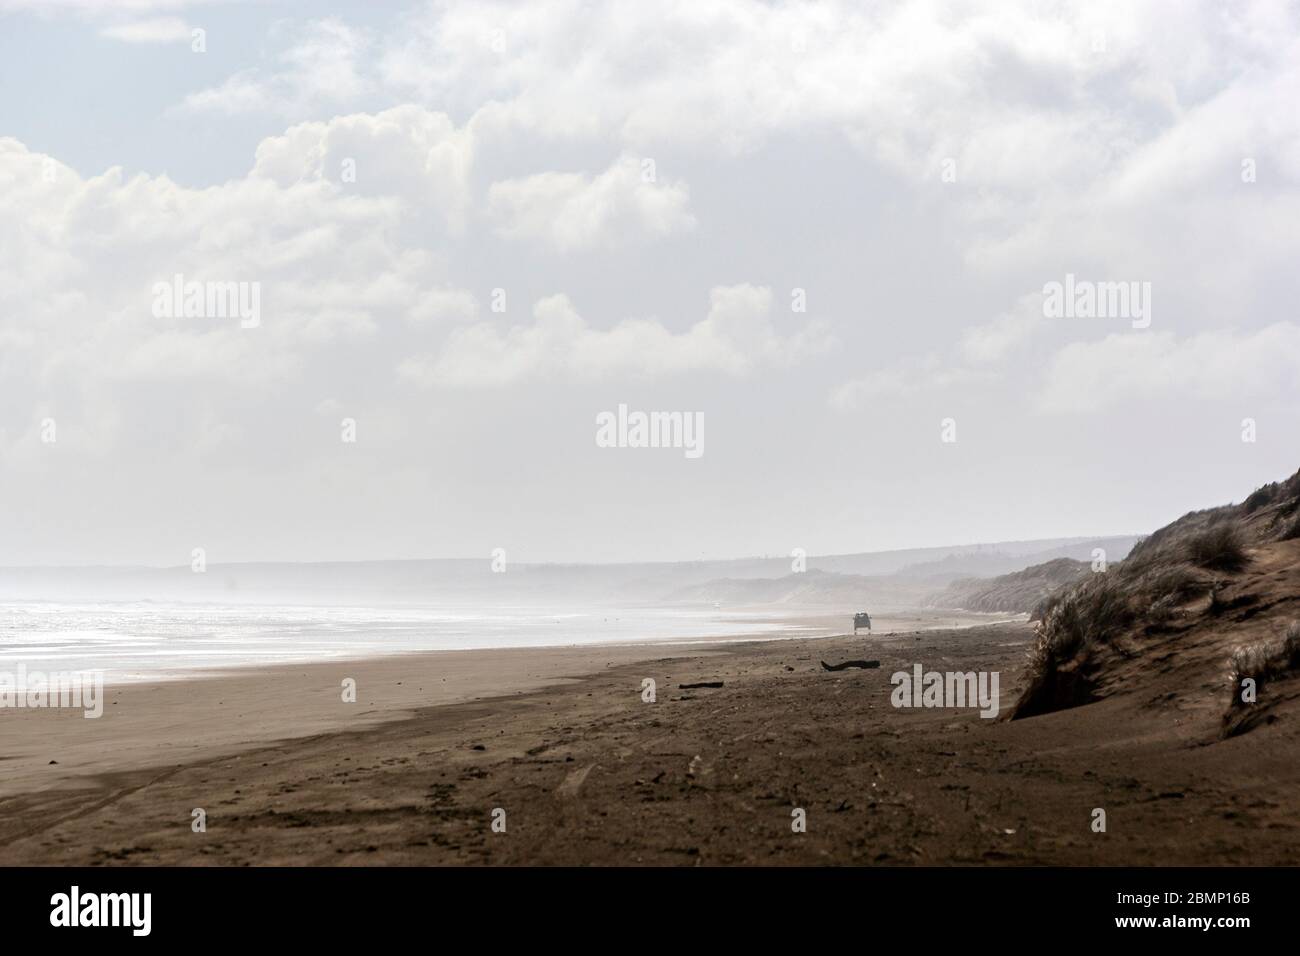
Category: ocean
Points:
column 137, row 641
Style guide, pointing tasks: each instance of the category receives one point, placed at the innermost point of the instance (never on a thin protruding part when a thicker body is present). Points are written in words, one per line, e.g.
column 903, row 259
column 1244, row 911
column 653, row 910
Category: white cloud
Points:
column 92, row 7
column 995, row 340
column 76, row 297
column 1066, row 123
column 407, row 151
column 1128, row 367
column 982, row 85
column 736, row 338
column 156, row 30
column 242, row 92
column 319, row 67
column 571, row 211
column 907, row 379
column 911, row 83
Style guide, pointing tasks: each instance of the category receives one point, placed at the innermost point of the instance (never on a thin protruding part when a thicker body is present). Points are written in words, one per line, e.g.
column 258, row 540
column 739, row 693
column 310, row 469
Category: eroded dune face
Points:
column 1200, row 618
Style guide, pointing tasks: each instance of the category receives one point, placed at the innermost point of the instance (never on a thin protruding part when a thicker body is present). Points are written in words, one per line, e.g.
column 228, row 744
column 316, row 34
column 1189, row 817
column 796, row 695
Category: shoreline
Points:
column 794, row 623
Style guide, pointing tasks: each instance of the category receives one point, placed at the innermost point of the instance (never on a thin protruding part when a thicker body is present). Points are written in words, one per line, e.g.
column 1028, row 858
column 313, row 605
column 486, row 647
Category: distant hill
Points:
column 998, row 559
column 967, row 574
column 472, row 581
column 1017, row 592
column 808, row 588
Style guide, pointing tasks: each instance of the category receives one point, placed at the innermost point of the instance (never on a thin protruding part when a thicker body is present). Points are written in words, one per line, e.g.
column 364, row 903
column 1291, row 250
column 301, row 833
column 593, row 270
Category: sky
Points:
column 827, row 232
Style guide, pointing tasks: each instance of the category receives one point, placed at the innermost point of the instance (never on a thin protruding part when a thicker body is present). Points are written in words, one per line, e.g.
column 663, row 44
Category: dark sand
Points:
column 586, row 772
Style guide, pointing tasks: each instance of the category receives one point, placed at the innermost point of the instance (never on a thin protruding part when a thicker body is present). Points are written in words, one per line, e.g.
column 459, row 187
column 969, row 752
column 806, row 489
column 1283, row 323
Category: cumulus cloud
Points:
column 984, row 85
column 1068, row 128
column 409, row 152
column 737, row 337
column 77, row 295
column 1063, row 124
column 572, row 211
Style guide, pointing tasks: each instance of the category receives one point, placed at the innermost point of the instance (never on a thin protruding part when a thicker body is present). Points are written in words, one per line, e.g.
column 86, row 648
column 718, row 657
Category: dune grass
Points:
column 1261, row 662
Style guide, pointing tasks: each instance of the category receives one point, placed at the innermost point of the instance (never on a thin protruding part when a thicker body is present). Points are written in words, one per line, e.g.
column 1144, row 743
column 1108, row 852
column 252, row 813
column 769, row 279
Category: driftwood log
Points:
column 848, row 664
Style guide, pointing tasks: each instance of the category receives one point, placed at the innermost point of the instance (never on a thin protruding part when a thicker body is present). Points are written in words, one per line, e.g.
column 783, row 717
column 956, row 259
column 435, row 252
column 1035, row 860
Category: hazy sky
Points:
column 653, row 187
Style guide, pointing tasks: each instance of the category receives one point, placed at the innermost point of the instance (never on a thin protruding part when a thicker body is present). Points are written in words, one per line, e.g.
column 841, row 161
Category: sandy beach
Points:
column 562, row 745
column 152, row 723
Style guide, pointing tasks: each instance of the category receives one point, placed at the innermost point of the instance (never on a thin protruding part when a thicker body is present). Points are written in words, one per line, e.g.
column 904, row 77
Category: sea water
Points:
column 132, row 641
